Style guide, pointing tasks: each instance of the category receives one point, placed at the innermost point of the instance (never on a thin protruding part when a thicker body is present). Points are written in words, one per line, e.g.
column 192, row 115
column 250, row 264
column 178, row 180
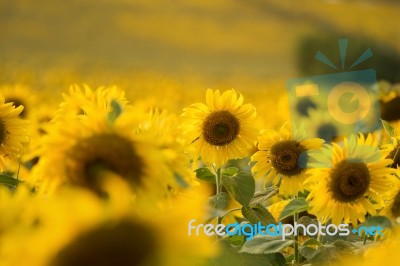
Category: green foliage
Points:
column 9, row 180
column 257, row 214
column 388, row 128
column 230, row 256
column 204, row 174
column 295, row 206
column 265, row 245
column 219, row 201
column 241, row 187
column 116, row 111
column 262, row 196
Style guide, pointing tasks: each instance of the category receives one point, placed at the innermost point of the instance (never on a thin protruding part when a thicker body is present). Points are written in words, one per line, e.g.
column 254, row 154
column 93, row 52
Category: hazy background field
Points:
column 219, row 43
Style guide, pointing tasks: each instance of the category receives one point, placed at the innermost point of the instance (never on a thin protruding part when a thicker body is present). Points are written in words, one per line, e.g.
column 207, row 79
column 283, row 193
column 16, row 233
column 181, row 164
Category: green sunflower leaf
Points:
column 388, row 127
column 9, row 180
column 230, row 171
column 204, row 174
column 381, row 221
column 219, row 201
column 262, row 196
column 295, row 206
column 230, row 255
column 116, row 110
column 258, row 214
column 265, row 245
column 241, row 187
column 311, row 242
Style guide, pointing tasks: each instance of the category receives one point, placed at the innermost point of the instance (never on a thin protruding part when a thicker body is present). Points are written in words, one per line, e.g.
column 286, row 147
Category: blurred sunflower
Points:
column 81, row 101
column 389, row 103
column 91, row 150
column 394, row 147
column 222, row 129
column 380, row 253
column 161, row 127
column 319, row 124
column 20, row 95
column 13, row 132
column 74, row 228
column 282, row 157
column 392, row 208
column 276, row 208
column 347, row 179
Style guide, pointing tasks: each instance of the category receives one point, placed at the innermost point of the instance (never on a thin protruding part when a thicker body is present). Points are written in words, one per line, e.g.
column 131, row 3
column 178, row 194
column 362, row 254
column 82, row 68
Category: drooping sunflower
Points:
column 80, row 229
column 350, row 180
column 221, row 129
column 13, row 132
column 282, row 157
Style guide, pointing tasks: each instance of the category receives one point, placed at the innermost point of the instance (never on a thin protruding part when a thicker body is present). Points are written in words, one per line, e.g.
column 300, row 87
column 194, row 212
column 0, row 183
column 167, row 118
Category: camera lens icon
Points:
column 348, row 103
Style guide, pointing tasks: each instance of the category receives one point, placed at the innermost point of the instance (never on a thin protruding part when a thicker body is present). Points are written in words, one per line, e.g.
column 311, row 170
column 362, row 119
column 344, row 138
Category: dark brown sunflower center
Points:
column 395, row 156
column 286, row 157
column 389, row 110
column 125, row 244
column 3, row 132
column 92, row 156
column 396, row 206
column 349, row 181
column 18, row 102
column 220, row 128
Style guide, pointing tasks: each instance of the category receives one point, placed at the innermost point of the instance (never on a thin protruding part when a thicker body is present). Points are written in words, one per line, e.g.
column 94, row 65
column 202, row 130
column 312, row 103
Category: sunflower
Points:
column 276, row 208
column 74, row 228
column 392, row 208
column 82, row 101
column 282, row 157
column 320, row 124
column 13, row 132
column 91, row 150
column 350, row 180
column 161, row 127
column 20, row 95
column 380, row 253
column 221, row 129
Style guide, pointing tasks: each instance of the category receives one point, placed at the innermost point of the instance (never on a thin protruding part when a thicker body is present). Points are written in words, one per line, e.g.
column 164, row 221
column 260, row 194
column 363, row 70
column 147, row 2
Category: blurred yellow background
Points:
column 247, row 45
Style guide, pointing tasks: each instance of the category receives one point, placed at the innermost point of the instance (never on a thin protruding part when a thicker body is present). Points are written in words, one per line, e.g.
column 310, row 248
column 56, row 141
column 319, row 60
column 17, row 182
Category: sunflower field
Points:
column 164, row 134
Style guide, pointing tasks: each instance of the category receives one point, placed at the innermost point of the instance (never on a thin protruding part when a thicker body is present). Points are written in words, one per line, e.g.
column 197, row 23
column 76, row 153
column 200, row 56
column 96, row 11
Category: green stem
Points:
column 365, row 239
column 296, row 242
column 218, row 184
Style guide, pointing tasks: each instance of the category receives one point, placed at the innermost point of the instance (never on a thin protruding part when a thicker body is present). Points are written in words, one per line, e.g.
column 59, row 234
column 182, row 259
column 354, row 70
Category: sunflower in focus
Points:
column 13, row 132
column 222, row 129
column 282, row 157
column 350, row 180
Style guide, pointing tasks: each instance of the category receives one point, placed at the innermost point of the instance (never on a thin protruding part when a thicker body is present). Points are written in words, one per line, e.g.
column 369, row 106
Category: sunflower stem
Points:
column 218, row 184
column 365, row 240
column 296, row 243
